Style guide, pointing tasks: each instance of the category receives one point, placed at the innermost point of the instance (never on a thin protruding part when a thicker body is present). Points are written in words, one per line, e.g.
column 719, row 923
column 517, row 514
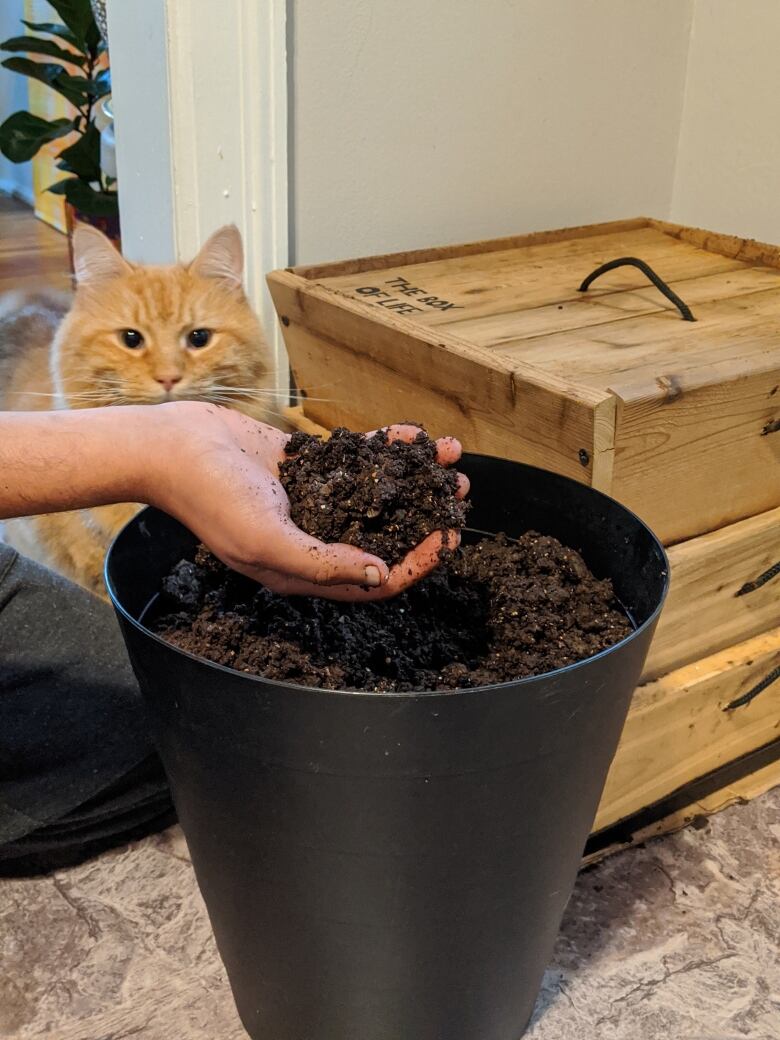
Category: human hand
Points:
column 219, row 476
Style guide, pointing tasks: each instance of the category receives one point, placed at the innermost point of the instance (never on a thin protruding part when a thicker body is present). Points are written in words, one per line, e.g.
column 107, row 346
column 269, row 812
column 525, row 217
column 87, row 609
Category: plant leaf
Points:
column 98, row 86
column 102, row 80
column 80, row 195
column 95, row 42
column 54, row 29
column 77, row 15
column 75, row 89
column 83, row 157
column 35, row 45
column 23, row 134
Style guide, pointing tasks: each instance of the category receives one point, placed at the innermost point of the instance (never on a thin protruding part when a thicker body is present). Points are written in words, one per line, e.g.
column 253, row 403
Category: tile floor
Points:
column 676, row 940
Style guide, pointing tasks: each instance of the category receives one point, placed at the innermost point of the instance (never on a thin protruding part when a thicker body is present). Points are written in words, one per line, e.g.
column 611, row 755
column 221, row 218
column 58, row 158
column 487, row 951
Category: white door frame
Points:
column 200, row 103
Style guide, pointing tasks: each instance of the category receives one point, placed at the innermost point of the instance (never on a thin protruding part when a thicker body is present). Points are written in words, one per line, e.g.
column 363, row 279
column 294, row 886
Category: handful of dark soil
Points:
column 382, row 497
column 492, row 612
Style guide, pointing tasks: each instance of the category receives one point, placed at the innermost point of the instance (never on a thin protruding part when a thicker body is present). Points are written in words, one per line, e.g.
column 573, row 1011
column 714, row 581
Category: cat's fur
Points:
column 61, row 353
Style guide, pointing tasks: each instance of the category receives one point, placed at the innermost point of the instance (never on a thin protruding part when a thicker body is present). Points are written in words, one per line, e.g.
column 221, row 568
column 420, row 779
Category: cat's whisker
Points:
column 261, row 394
column 268, row 391
column 231, row 400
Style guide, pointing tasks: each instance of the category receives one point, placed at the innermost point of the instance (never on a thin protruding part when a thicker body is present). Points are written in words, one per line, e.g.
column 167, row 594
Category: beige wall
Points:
column 418, row 123
column 728, row 166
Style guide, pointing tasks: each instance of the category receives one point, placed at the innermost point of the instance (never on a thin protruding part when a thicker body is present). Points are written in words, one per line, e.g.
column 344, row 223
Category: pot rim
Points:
column 409, row 694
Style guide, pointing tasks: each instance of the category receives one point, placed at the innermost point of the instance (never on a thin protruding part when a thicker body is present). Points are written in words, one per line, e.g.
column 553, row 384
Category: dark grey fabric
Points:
column 75, row 751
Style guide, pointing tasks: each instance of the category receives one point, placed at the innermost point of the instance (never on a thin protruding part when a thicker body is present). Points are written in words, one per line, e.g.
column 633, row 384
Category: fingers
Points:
column 400, row 432
column 419, row 563
column 464, row 486
column 450, row 450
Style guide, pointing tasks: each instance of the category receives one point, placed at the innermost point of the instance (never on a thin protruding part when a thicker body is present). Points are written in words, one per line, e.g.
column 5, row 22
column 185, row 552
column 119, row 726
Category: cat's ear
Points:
column 221, row 257
column 94, row 257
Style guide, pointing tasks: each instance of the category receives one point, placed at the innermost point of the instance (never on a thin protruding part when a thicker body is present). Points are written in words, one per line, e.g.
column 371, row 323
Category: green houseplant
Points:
column 77, row 44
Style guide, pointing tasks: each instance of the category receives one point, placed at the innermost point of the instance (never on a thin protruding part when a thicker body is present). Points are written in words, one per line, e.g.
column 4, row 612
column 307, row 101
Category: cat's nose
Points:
column 168, row 382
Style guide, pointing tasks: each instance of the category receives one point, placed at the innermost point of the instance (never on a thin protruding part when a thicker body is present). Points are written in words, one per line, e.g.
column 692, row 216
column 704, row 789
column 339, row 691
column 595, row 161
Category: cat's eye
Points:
column 132, row 338
column 199, row 338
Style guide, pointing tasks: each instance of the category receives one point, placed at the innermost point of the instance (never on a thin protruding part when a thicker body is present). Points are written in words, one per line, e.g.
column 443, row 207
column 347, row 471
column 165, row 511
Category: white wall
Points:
column 728, row 168
column 14, row 179
column 420, row 123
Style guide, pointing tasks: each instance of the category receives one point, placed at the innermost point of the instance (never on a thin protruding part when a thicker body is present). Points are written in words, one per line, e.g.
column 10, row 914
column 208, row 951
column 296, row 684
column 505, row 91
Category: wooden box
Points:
column 493, row 342
column 679, row 419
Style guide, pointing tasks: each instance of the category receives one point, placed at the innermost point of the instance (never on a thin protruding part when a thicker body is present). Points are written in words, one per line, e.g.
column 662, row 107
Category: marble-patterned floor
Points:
column 677, row 940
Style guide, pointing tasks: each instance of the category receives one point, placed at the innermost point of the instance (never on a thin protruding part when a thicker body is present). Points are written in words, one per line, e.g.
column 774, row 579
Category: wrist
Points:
column 163, row 437
column 130, row 443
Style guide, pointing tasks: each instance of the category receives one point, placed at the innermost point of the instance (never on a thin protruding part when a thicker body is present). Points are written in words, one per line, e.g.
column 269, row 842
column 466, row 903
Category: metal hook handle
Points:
column 751, row 694
column 659, row 283
column 762, row 579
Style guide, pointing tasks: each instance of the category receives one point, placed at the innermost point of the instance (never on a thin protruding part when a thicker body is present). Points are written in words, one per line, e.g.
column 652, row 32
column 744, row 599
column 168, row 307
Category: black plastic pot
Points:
column 394, row 866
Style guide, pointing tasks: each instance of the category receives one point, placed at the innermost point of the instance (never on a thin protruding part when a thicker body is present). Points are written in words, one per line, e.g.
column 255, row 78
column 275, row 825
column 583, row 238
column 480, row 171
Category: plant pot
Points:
column 108, row 225
column 394, row 866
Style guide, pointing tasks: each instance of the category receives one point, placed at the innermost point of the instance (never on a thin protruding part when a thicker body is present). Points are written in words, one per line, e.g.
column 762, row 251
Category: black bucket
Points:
column 394, row 866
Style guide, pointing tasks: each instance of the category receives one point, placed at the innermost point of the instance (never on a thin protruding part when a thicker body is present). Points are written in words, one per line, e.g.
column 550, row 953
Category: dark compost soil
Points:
column 493, row 611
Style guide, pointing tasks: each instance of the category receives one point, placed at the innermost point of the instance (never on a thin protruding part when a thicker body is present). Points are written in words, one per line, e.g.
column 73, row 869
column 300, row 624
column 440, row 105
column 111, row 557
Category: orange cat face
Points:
column 143, row 335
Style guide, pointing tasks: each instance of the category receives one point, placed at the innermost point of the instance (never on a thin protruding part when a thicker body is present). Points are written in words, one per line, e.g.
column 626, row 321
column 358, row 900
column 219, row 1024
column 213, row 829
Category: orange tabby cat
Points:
column 133, row 335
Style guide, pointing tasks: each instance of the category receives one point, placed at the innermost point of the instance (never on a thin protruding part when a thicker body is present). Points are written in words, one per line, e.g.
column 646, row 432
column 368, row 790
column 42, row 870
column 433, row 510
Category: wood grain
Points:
column 517, row 280
column 703, row 612
column 727, row 245
column 603, row 304
column 32, row 254
column 679, row 728
column 693, row 452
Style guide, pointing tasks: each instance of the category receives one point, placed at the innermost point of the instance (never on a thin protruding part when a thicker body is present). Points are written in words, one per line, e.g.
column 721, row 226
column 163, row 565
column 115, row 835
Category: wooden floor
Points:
column 33, row 255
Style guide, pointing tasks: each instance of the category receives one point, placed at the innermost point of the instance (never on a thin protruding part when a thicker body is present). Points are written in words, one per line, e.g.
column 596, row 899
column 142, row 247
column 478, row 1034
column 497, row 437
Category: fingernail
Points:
column 373, row 577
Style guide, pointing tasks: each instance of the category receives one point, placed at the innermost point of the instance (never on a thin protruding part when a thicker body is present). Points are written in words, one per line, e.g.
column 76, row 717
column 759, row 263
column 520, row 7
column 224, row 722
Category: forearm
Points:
column 51, row 461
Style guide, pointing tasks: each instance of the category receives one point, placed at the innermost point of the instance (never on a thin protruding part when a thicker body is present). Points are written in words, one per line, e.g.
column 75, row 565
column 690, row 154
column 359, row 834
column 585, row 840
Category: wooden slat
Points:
column 639, row 350
column 514, row 280
column 703, row 613
column 745, row 249
column 704, row 459
column 602, row 305
column 679, row 729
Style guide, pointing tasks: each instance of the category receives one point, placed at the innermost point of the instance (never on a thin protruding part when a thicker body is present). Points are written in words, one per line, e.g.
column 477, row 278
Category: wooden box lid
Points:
column 493, row 341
